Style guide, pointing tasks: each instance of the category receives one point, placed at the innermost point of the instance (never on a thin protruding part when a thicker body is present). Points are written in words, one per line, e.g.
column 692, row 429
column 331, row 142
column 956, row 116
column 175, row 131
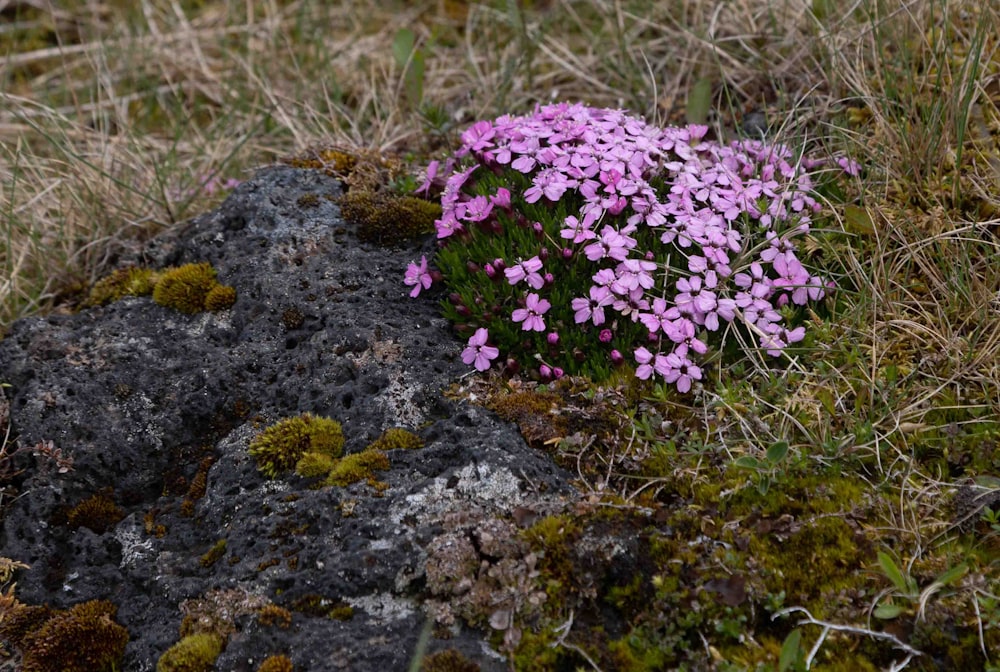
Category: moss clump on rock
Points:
column 396, row 438
column 280, row 447
column 448, row 660
column 85, row 638
column 276, row 664
column 190, row 288
column 388, row 219
column 194, row 653
column 220, row 297
column 214, row 554
column 128, row 281
column 186, row 287
column 357, row 467
column 97, row 513
column 314, row 464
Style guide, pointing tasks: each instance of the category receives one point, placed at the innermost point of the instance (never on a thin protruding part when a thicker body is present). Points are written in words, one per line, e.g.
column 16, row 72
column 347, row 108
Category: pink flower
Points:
column 477, row 353
column 432, row 170
column 592, row 307
column 530, row 316
column 501, row 199
column 418, row 277
column 528, row 271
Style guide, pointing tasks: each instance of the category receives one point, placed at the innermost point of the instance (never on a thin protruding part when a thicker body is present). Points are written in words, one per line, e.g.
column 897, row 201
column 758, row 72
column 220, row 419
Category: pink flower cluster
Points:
column 717, row 224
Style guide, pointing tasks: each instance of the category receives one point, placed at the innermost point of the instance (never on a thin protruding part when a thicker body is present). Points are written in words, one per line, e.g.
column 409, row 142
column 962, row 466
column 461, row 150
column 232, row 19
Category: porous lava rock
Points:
column 157, row 409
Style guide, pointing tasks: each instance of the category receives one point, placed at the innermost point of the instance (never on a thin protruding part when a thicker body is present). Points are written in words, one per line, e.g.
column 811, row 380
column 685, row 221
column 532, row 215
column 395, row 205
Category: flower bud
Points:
column 567, row 253
column 472, row 266
column 490, row 271
column 552, row 338
column 512, row 366
column 545, row 372
column 579, row 355
column 543, row 254
column 616, row 357
column 548, row 279
column 499, row 264
column 558, row 372
column 455, row 298
column 605, row 336
column 462, row 311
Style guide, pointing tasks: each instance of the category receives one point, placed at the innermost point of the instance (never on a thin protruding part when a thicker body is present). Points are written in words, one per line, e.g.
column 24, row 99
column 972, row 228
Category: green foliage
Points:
column 357, row 467
column 84, row 638
column 411, row 59
column 280, row 447
column 194, row 653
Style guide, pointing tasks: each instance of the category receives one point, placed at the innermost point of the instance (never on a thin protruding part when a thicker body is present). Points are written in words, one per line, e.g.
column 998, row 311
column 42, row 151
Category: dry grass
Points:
column 113, row 116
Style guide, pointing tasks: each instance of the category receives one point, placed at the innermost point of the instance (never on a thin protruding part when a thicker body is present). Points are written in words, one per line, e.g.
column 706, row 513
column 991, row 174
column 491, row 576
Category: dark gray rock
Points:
column 142, row 397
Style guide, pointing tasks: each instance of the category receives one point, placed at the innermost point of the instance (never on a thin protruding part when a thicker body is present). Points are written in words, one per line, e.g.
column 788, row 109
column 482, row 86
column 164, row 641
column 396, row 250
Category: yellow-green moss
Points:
column 194, row 653
column 279, row 448
column 84, row 638
column 276, row 664
column 388, row 219
column 186, row 287
column 220, row 297
column 314, row 464
column 357, row 467
column 128, row 281
column 98, row 513
column 396, row 438
column 214, row 554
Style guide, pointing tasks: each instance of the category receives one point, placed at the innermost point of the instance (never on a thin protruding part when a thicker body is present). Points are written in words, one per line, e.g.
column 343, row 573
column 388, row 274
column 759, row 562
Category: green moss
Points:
column 357, row 467
column 448, row 660
column 128, row 281
column 194, row 653
column 84, row 638
column 279, row 448
column 314, row 464
column 186, row 287
column 220, row 297
column 388, row 219
column 396, row 438
column 214, row 554
column 276, row 664
column 98, row 513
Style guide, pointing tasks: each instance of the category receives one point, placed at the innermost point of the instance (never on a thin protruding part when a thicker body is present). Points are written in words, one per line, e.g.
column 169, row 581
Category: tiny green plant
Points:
column 907, row 594
column 764, row 467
